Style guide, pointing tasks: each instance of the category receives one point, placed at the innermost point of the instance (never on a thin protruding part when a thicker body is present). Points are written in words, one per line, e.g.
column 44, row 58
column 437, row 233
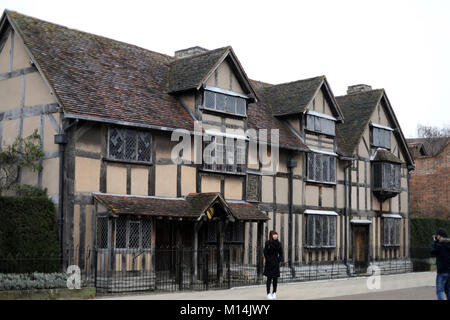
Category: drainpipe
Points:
column 346, row 213
column 61, row 140
column 290, row 164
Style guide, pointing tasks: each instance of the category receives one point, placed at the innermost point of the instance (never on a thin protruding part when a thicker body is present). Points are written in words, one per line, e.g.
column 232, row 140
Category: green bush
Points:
column 33, row 281
column 25, row 190
column 28, row 234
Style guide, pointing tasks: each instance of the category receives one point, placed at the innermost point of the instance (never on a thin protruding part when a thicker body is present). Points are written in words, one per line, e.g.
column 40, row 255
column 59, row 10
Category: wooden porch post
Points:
column 220, row 259
column 111, row 260
column 259, row 249
column 197, row 226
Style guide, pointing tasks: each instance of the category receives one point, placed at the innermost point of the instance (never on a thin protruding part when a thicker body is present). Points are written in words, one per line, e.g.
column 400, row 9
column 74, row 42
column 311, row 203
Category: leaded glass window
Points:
column 320, row 125
column 321, row 168
column 133, row 233
column 129, row 144
column 225, row 156
column 102, row 233
column 386, row 176
column 391, row 231
column 225, row 103
column 381, row 138
column 321, row 231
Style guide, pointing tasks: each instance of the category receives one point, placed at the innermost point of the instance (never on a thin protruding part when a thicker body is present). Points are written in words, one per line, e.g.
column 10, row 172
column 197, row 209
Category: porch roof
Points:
column 192, row 206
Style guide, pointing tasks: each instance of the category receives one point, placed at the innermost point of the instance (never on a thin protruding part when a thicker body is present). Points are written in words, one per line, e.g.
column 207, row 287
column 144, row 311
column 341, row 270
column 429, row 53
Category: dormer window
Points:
column 228, row 102
column 381, row 136
column 320, row 123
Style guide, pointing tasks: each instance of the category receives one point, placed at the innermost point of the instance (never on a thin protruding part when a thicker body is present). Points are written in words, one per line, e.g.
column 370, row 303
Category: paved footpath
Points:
column 414, row 286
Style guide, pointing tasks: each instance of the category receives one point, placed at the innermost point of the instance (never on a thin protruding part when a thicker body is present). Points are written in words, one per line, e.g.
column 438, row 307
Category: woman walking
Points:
column 273, row 255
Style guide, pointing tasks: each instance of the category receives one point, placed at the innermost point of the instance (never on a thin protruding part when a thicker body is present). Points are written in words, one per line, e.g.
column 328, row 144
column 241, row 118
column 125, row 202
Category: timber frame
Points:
column 40, row 89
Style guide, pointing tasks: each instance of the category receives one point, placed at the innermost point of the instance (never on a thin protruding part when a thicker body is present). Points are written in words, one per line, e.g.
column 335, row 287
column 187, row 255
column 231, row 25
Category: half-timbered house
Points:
column 106, row 111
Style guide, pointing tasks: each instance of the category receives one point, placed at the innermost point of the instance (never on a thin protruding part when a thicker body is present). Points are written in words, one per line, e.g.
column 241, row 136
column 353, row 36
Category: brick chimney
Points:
column 358, row 88
column 189, row 52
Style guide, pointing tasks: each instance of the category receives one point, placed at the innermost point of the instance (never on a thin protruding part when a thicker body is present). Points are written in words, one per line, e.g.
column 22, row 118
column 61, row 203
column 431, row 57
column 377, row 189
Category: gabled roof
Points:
column 192, row 72
column 294, row 97
column 99, row 78
column 260, row 117
column 192, row 206
column 430, row 146
column 357, row 108
column 188, row 73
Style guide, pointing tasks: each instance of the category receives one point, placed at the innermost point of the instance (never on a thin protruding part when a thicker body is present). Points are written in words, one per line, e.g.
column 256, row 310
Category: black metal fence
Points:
column 177, row 269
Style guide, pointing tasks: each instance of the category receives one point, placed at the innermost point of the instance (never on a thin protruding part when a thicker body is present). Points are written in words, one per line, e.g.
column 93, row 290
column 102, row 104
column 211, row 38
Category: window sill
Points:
column 375, row 146
column 387, row 190
column 319, row 247
column 321, row 182
column 320, row 133
column 224, row 172
column 128, row 161
column 223, row 112
column 132, row 250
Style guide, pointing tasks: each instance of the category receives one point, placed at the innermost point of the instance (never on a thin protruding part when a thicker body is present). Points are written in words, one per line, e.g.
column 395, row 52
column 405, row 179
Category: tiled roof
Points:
column 385, row 155
column 99, row 77
column 432, row 146
column 106, row 80
column 187, row 73
column 357, row 109
column 292, row 97
column 260, row 117
column 192, row 206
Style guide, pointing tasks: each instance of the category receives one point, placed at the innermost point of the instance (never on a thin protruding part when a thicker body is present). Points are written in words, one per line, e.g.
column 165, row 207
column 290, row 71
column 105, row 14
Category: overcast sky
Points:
column 401, row 46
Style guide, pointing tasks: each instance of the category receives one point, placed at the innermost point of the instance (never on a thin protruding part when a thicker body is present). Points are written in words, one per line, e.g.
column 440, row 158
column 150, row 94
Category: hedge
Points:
column 28, row 233
column 421, row 230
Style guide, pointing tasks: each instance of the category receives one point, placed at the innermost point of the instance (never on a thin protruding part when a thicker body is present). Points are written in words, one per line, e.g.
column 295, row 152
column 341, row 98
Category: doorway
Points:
column 361, row 247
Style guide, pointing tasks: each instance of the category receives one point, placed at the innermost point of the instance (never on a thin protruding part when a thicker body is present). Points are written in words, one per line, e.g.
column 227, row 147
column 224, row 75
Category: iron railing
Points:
column 171, row 269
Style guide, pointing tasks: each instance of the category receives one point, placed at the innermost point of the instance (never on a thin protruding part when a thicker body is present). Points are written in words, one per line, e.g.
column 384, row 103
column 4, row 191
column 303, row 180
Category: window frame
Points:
column 381, row 181
column 237, row 232
column 257, row 180
column 312, row 177
column 313, row 233
column 391, row 232
column 237, row 169
column 318, row 124
column 375, row 143
column 98, row 236
column 128, row 221
column 138, row 134
column 237, row 98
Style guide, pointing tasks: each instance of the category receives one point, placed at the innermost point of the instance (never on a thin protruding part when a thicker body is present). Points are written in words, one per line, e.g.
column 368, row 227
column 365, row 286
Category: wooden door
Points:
column 361, row 248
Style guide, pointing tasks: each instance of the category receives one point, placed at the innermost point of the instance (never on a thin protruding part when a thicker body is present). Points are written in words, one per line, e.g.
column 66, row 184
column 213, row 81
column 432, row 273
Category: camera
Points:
column 434, row 236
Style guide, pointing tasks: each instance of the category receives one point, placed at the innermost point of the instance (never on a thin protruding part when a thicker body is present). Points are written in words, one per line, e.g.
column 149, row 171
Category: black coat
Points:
column 441, row 249
column 273, row 253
